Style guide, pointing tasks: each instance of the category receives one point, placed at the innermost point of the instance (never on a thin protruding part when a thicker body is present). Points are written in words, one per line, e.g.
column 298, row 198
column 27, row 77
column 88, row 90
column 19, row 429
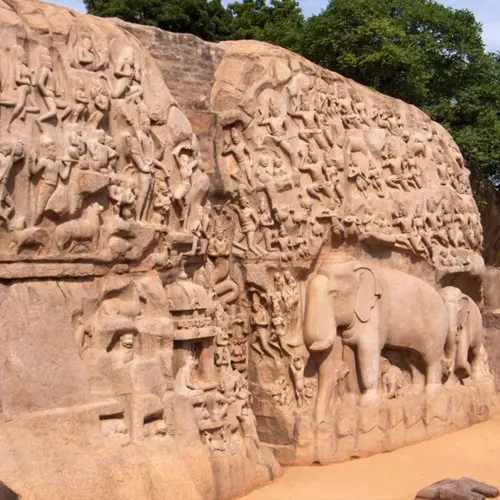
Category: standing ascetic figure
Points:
column 22, row 80
column 368, row 308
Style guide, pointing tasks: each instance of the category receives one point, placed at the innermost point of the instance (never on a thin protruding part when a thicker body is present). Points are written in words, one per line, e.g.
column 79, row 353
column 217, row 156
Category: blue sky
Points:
column 486, row 11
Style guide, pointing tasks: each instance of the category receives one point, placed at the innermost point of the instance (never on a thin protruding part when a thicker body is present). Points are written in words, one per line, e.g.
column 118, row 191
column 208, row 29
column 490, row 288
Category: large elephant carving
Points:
column 368, row 308
column 465, row 332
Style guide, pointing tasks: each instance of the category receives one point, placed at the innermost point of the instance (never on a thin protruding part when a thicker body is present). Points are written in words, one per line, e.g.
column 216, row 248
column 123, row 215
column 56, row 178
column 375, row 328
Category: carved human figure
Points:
column 23, row 81
column 412, row 172
column 186, row 162
column 279, row 329
column 86, row 56
column 277, row 127
column 162, row 203
column 260, row 322
column 122, row 194
column 344, row 104
column 81, row 103
column 351, row 224
column 281, row 180
column 297, row 367
column 103, row 157
column 184, row 383
column 374, row 176
column 142, row 154
column 52, row 170
column 331, row 171
column 312, row 165
column 77, row 147
column 248, row 425
column 100, row 96
column 357, row 176
column 122, row 352
column 128, row 75
column 248, row 224
column 311, row 121
column 9, row 155
column 394, row 162
column 266, row 224
column 242, row 154
column 264, row 172
column 52, row 97
column 201, row 229
column 359, row 107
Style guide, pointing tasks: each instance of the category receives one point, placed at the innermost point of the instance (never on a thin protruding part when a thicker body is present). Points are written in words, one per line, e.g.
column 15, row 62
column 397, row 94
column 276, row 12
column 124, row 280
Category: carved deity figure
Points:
column 128, row 75
column 162, row 203
column 9, row 155
column 100, row 96
column 86, row 56
column 123, row 195
column 142, row 153
column 248, row 425
column 260, row 322
column 242, row 154
column 313, row 166
column 248, row 224
column 184, row 383
column 331, row 171
column 311, row 121
column 81, row 103
column 103, row 157
column 297, row 367
column 266, row 223
column 201, row 229
column 123, row 350
column 47, row 87
column 277, row 127
column 187, row 162
column 52, row 169
column 22, row 81
column 279, row 329
column 375, row 179
column 394, row 162
column 357, row 176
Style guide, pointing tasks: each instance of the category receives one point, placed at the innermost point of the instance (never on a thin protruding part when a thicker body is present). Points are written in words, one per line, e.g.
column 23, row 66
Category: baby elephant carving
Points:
column 465, row 333
column 80, row 232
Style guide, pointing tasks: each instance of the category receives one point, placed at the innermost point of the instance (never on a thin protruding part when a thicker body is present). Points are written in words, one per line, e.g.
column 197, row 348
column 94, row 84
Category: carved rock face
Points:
column 191, row 245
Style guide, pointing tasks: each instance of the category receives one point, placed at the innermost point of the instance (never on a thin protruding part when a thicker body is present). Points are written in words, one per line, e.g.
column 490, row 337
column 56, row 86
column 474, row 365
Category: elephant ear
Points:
column 367, row 294
column 464, row 312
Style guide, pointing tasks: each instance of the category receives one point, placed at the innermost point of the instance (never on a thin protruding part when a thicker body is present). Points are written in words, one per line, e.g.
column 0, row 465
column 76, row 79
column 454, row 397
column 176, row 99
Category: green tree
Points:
column 207, row 19
column 280, row 22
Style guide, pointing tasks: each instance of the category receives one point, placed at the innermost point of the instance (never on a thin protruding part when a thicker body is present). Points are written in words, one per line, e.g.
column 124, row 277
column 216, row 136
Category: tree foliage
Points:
column 417, row 50
column 208, row 19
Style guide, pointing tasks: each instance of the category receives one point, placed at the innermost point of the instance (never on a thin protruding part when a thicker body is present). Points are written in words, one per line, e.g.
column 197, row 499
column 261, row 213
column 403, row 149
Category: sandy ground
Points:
column 473, row 452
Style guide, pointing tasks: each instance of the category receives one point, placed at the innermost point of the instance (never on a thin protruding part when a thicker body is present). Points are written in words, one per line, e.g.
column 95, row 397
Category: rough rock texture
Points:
column 211, row 252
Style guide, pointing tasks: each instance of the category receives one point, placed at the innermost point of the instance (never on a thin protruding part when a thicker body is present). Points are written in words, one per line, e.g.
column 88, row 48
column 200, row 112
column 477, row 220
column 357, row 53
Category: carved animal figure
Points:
column 35, row 238
column 78, row 232
column 369, row 307
column 465, row 332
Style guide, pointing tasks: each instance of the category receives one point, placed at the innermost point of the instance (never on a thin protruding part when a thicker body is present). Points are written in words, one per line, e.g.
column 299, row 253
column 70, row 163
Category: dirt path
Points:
column 473, row 452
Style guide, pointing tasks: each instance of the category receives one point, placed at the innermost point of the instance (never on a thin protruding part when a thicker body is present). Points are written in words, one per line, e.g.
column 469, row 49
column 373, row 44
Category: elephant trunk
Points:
column 450, row 348
column 320, row 328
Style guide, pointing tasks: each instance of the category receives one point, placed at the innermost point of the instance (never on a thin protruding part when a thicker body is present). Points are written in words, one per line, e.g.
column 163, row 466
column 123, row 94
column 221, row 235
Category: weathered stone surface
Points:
column 212, row 251
column 458, row 489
